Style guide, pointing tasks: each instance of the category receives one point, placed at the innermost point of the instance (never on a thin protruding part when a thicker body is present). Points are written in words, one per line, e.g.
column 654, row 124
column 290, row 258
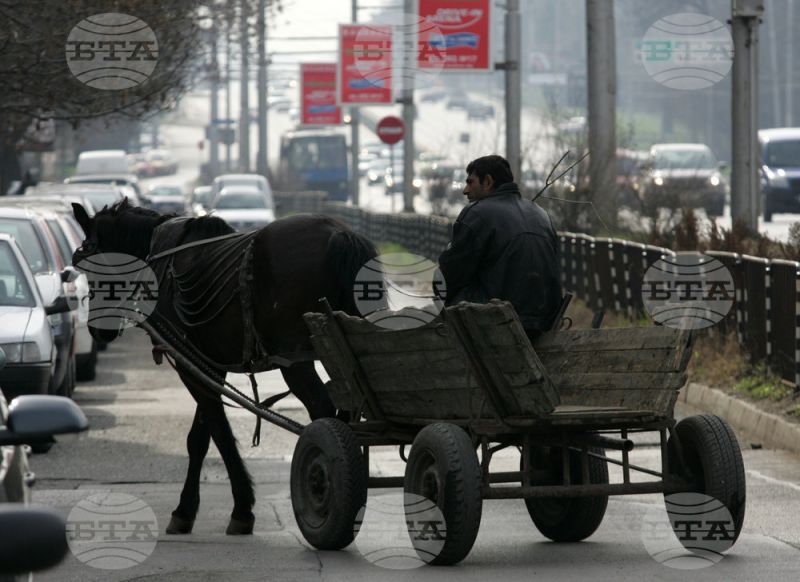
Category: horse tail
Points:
column 347, row 253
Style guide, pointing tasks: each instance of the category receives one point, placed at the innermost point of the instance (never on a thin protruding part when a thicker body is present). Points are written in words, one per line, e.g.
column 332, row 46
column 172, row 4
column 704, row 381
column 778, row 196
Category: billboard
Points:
column 318, row 95
column 365, row 65
column 454, row 35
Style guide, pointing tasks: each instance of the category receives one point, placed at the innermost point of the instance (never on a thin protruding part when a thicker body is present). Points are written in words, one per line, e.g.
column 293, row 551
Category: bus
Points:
column 314, row 159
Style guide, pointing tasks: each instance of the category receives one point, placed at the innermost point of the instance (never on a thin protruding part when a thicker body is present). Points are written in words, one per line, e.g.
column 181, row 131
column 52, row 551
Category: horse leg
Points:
column 216, row 425
column 197, row 442
column 305, row 383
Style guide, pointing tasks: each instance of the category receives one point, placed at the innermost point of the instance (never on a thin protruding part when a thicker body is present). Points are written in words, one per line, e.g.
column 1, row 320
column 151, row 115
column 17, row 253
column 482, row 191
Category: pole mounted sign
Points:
column 454, row 35
column 365, row 65
column 318, row 95
column 390, row 129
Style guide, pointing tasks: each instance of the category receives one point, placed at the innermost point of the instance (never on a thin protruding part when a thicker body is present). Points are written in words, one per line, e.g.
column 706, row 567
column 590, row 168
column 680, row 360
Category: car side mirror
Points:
column 33, row 539
column 723, row 165
column 49, row 287
column 37, row 418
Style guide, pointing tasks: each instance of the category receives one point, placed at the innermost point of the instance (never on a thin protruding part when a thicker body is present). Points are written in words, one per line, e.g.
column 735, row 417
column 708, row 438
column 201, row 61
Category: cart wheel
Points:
column 443, row 467
column 713, row 463
column 567, row 519
column 328, row 483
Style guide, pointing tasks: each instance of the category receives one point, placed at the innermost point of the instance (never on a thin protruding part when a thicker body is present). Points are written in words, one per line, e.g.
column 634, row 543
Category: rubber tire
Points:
column 714, row 462
column 87, row 371
column 67, row 386
column 445, row 453
column 568, row 519
column 329, row 448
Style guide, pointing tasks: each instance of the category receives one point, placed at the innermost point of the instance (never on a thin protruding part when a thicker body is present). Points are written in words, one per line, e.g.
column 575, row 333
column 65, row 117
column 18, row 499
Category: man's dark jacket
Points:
column 505, row 247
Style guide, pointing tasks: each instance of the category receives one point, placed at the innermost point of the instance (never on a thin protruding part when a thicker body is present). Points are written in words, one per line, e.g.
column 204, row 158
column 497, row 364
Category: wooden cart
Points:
column 472, row 383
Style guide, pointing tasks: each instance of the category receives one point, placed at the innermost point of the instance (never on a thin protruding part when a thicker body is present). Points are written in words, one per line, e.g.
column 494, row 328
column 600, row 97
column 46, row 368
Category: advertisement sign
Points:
column 318, row 95
column 454, row 35
column 365, row 65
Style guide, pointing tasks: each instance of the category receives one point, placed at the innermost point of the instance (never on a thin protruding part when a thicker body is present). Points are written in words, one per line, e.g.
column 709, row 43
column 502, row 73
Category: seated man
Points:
column 503, row 247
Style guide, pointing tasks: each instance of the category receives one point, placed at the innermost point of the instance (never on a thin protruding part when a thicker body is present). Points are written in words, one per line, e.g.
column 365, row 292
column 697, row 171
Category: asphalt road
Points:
column 140, row 414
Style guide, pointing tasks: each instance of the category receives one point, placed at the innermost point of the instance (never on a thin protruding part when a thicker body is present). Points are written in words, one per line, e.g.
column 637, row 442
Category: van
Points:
column 103, row 162
column 780, row 170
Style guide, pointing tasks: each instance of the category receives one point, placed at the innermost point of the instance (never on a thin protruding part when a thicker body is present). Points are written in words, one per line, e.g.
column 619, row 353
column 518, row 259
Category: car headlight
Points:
column 22, row 352
column 658, row 181
column 389, row 182
column 417, row 183
column 714, row 180
column 777, row 179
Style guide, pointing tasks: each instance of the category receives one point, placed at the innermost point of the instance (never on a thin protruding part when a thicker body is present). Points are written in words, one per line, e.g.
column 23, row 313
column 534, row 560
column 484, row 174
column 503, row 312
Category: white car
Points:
column 26, row 335
column 103, row 162
column 254, row 180
column 244, row 207
column 165, row 198
column 115, row 180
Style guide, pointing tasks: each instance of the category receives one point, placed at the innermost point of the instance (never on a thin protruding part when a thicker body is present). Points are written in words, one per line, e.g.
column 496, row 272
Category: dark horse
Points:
column 291, row 263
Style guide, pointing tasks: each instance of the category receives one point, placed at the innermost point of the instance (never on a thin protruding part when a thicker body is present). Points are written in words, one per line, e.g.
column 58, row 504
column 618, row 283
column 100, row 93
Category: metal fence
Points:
column 607, row 273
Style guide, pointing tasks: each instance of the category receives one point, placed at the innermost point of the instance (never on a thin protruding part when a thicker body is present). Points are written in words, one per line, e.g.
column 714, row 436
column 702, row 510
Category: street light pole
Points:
column 409, row 65
column 261, row 158
column 513, row 88
column 244, row 97
column 213, row 135
column 228, row 95
column 355, row 125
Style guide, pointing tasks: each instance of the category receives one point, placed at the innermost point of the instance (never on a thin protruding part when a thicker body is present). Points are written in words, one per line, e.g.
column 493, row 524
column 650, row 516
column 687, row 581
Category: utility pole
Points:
column 213, row 134
column 228, row 94
column 744, row 164
column 261, row 157
column 602, row 93
column 355, row 147
column 513, row 88
column 244, row 97
column 790, row 79
column 407, row 99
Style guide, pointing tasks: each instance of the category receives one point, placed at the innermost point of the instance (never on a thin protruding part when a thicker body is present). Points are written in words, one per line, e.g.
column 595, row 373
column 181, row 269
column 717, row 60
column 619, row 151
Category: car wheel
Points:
column 87, row 370
column 67, row 386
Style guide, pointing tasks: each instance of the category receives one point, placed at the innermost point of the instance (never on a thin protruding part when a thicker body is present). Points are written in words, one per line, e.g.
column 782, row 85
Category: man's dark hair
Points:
column 495, row 166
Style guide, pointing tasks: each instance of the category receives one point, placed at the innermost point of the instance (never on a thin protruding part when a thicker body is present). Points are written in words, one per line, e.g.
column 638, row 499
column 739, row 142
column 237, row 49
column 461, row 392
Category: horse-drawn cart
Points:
column 475, row 384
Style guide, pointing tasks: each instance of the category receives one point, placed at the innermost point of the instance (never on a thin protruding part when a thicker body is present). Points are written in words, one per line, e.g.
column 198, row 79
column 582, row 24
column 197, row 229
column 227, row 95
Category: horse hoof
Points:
column 240, row 527
column 178, row 525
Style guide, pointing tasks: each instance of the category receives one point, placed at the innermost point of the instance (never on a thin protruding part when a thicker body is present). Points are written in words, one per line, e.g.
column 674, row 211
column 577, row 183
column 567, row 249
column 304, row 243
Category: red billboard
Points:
column 318, row 95
column 454, row 35
column 365, row 64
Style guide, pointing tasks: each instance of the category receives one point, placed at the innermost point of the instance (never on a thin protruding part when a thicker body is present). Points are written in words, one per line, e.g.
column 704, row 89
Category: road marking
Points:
column 772, row 480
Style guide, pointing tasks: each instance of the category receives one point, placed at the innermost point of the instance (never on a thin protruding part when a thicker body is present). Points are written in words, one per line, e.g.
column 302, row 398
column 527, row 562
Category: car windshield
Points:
column 783, row 154
column 103, row 198
column 241, row 201
column 228, row 182
column 166, row 191
column 28, row 242
column 684, row 160
column 14, row 288
column 318, row 153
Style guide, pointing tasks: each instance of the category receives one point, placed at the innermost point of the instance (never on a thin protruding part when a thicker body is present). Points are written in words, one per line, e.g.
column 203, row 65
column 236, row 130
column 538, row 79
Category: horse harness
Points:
column 203, row 278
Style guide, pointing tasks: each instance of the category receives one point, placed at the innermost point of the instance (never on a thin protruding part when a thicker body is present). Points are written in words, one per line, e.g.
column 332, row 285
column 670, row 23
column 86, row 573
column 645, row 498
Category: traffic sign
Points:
column 390, row 129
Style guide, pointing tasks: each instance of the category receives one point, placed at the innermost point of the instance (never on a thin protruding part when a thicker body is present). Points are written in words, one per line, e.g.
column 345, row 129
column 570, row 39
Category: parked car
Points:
column 162, row 162
column 103, row 162
column 41, row 253
column 139, row 165
column 111, row 179
column 102, row 194
column 165, row 199
column 199, row 201
column 226, row 180
column 477, row 110
column 244, row 207
column 31, row 539
column 51, row 194
column 780, row 170
column 457, row 102
column 395, row 184
column 26, row 336
column 684, row 175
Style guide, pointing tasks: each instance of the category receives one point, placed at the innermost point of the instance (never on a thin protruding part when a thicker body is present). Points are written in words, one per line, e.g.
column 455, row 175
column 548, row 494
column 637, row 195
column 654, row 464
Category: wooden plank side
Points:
column 598, row 381
column 612, row 360
column 590, row 340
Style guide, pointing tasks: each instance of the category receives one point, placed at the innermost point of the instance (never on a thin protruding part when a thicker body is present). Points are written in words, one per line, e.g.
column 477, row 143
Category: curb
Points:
column 768, row 429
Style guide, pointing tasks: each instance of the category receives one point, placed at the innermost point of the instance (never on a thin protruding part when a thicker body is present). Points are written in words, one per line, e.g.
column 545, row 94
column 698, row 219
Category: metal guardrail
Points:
column 607, row 273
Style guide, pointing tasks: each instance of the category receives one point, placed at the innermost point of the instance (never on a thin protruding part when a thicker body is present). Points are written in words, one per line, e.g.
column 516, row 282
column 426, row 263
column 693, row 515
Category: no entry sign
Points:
column 390, row 129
